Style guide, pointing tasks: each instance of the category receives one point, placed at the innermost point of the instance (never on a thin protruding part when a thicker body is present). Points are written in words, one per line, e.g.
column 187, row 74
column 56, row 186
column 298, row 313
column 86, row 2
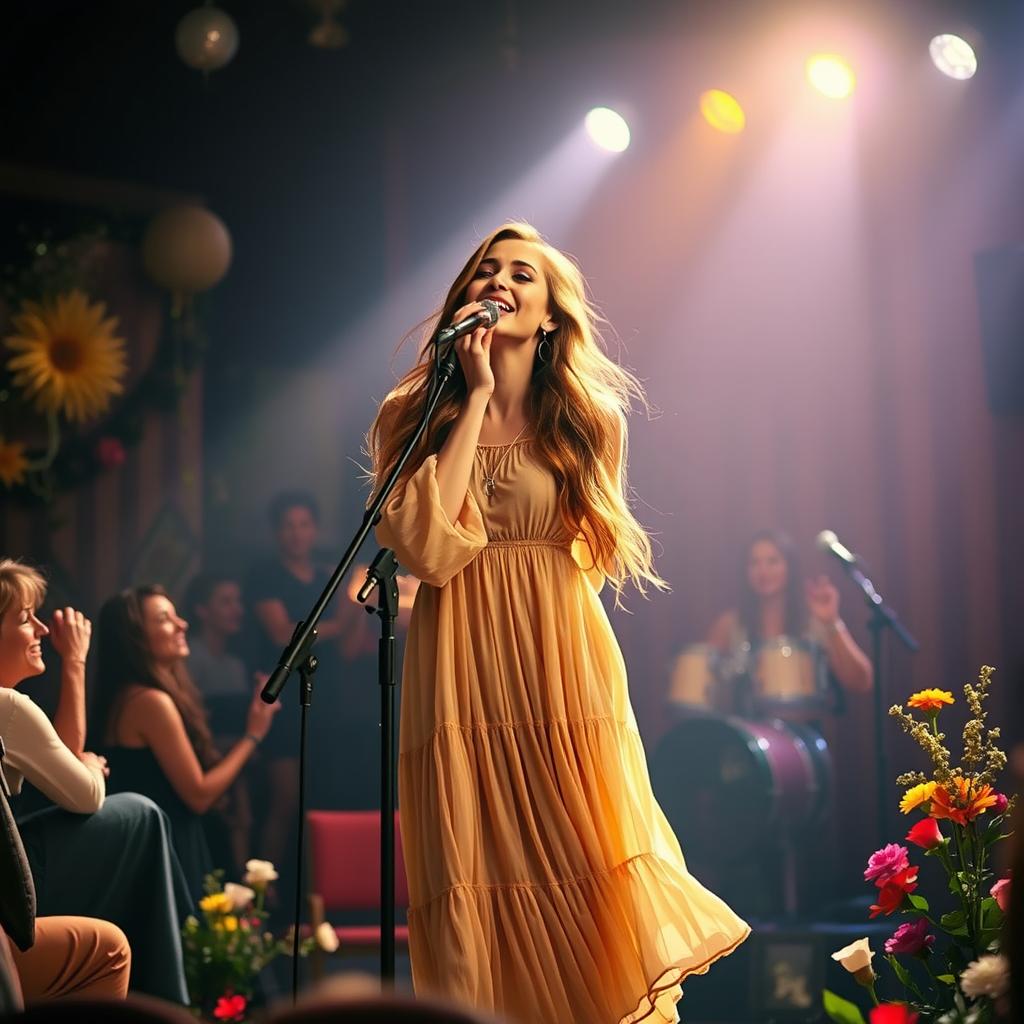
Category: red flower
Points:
column 926, row 834
column 110, row 452
column 891, row 895
column 230, row 1007
column 893, row 1013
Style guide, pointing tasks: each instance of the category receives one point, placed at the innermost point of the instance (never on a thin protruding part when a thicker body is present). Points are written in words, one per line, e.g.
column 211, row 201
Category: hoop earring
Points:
column 545, row 339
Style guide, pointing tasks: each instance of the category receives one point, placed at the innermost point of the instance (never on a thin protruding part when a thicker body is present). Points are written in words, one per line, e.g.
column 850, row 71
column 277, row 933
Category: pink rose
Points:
column 1000, row 892
column 886, row 863
column 912, row 939
column 1002, row 802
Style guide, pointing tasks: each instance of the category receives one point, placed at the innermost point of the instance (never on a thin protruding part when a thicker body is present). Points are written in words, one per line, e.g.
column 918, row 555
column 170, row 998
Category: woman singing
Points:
column 545, row 882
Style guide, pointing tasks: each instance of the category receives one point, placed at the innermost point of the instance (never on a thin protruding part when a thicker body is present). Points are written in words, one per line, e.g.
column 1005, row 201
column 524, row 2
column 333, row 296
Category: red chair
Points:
column 344, row 875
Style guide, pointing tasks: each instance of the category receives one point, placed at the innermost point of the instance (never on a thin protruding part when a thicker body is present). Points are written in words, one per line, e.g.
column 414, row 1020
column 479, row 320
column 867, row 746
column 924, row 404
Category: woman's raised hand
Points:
column 70, row 634
column 822, row 600
column 474, row 352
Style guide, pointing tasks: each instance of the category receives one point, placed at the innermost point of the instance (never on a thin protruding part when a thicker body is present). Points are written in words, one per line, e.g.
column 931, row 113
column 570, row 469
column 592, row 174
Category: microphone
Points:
column 881, row 613
column 828, row 541
column 487, row 317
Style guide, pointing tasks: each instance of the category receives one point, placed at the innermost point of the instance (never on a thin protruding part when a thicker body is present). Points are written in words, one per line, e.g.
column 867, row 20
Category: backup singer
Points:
column 545, row 882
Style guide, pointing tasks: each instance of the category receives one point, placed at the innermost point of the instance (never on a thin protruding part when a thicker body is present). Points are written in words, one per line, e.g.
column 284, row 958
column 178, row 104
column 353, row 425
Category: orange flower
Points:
column 963, row 804
column 930, row 700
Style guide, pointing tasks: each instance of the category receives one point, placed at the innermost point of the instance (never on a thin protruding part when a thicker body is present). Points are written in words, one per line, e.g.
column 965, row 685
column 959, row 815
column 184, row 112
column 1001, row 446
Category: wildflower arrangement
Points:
column 227, row 945
column 947, row 965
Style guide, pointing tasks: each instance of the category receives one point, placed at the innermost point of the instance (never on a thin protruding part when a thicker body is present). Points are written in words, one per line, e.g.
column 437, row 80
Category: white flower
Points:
column 987, row 976
column 855, row 957
column 240, row 895
column 258, row 873
column 327, row 937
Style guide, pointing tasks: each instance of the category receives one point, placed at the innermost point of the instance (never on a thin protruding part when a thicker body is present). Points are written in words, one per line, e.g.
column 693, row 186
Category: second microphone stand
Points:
column 882, row 617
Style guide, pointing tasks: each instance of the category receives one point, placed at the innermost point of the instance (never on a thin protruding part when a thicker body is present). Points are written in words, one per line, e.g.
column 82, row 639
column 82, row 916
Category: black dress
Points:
column 136, row 770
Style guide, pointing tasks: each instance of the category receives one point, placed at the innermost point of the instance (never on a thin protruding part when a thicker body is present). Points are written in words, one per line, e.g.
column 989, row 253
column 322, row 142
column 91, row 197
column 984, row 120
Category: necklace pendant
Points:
column 489, row 486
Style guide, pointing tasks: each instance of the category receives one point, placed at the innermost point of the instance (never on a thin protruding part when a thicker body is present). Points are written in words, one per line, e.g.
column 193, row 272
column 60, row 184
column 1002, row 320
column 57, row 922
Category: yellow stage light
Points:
column 722, row 111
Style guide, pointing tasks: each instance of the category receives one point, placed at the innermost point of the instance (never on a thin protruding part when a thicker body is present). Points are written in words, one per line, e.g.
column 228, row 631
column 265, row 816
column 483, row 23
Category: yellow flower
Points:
column 916, row 796
column 216, row 903
column 231, row 923
column 13, row 463
column 68, row 359
column 930, row 700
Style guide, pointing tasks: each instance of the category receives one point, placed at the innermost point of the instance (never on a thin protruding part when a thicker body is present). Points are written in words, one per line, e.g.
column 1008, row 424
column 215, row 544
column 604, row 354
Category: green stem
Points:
column 961, row 885
column 978, row 850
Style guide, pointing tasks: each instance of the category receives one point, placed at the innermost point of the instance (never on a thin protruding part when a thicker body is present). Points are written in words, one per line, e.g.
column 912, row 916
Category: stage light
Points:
column 830, row 75
column 953, row 56
column 608, row 129
column 722, row 111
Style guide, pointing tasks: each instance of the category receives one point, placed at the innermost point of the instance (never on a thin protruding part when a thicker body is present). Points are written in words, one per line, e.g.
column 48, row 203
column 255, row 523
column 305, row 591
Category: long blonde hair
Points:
column 578, row 403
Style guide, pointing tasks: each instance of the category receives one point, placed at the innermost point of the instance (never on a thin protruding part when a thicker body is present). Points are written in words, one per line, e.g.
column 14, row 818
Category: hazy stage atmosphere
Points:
column 800, row 228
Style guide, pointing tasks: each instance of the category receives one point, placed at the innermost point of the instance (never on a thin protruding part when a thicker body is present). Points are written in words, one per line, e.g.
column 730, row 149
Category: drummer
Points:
column 773, row 602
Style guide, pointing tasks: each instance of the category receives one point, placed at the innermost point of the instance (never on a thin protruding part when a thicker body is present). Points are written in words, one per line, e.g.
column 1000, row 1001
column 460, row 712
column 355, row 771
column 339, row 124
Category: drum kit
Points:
column 745, row 769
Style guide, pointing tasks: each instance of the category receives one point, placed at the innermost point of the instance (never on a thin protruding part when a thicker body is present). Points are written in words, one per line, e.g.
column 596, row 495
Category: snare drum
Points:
column 695, row 678
column 786, row 677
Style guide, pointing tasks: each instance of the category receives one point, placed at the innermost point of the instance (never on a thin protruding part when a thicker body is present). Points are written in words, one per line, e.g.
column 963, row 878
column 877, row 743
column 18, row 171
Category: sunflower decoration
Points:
column 67, row 360
column 13, row 464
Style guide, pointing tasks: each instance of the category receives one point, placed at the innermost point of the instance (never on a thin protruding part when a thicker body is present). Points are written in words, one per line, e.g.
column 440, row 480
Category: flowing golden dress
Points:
column 545, row 883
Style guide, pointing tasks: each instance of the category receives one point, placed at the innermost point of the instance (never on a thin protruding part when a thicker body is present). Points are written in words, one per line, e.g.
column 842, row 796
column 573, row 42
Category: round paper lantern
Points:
column 186, row 249
column 206, row 38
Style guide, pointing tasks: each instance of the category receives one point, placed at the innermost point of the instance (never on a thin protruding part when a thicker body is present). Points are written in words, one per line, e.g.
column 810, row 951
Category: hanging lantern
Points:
column 186, row 249
column 206, row 38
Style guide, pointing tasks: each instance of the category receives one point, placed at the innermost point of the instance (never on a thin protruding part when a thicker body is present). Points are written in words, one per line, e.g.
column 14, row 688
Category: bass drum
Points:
column 728, row 785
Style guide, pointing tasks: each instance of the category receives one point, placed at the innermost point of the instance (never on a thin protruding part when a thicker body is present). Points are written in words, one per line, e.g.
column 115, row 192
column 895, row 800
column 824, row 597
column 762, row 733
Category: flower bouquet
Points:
column 945, row 962
column 227, row 946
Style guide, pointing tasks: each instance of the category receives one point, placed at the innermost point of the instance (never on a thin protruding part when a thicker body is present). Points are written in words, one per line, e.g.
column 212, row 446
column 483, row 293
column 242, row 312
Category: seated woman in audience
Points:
column 73, row 957
column 90, row 857
column 154, row 724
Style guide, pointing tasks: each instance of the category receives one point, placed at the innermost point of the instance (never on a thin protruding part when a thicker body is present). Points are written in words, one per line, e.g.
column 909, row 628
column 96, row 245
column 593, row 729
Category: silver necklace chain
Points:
column 490, row 485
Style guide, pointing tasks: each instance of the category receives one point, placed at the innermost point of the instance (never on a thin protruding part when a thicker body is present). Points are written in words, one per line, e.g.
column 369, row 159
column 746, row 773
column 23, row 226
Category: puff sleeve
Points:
column 415, row 526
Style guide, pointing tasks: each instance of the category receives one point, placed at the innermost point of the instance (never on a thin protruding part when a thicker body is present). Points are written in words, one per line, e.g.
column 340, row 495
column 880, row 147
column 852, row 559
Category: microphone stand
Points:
column 882, row 617
column 382, row 575
column 295, row 655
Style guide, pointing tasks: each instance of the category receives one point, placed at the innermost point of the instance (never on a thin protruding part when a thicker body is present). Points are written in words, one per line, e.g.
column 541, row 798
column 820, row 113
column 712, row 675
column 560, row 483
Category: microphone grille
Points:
column 491, row 308
column 826, row 539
